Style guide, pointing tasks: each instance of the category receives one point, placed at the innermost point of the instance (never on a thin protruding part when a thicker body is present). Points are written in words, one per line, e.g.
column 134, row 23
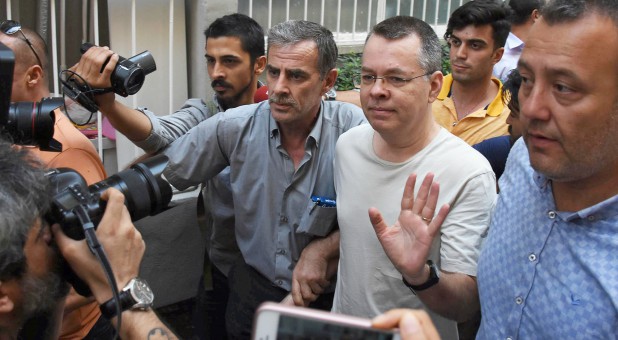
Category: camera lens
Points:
column 146, row 193
column 32, row 123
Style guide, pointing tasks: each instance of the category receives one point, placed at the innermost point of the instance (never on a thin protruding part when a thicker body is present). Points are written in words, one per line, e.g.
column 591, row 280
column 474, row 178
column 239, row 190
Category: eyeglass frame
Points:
column 387, row 81
column 16, row 26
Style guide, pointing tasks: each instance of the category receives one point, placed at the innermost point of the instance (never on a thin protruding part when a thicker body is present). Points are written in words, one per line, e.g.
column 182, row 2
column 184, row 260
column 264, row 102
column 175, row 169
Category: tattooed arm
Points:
column 143, row 325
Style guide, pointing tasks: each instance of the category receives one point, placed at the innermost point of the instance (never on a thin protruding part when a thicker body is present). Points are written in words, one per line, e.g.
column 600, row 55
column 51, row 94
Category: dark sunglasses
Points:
column 11, row 27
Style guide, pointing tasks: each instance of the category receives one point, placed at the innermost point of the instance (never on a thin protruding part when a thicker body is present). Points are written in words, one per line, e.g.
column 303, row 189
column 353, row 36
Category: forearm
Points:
column 328, row 248
column 130, row 122
column 143, row 325
column 455, row 296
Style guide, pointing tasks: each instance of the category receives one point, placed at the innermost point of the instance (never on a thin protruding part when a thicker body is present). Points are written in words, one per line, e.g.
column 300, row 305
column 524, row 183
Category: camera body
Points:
column 126, row 79
column 26, row 123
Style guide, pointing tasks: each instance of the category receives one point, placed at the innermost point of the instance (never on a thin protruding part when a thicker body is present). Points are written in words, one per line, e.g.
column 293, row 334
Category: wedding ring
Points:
column 425, row 219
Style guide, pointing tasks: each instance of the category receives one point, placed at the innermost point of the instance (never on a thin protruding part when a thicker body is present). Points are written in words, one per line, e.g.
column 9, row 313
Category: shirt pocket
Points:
column 317, row 220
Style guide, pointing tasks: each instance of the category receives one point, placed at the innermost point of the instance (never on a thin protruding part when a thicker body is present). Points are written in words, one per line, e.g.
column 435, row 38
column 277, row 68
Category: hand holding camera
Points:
column 122, row 242
column 100, row 72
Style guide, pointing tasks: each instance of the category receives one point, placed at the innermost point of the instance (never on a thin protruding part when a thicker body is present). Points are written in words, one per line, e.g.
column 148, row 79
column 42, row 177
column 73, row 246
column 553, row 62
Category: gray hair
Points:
column 398, row 27
column 562, row 11
column 24, row 197
column 292, row 32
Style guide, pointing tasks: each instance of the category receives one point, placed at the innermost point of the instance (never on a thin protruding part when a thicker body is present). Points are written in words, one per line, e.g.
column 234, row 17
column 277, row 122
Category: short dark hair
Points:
column 510, row 88
column 243, row 27
column 398, row 27
column 292, row 32
column 561, row 11
column 24, row 197
column 522, row 9
column 479, row 13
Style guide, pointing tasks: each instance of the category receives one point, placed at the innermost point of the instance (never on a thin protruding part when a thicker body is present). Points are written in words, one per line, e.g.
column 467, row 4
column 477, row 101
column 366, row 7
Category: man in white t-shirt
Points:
column 400, row 78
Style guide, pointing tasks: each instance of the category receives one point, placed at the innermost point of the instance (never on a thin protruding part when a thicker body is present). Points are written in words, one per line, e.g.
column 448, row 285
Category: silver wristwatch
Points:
column 135, row 295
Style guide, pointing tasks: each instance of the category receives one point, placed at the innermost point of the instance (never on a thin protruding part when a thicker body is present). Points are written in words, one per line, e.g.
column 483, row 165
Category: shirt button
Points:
column 519, row 300
column 279, row 282
column 283, row 219
column 591, row 218
column 532, row 257
column 454, row 123
column 281, row 251
column 551, row 214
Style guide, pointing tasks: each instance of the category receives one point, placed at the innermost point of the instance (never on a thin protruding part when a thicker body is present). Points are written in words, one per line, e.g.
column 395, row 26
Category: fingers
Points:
column 377, row 221
column 297, row 296
column 67, row 245
column 407, row 201
column 423, row 193
column 412, row 324
column 302, row 294
column 437, row 221
column 96, row 66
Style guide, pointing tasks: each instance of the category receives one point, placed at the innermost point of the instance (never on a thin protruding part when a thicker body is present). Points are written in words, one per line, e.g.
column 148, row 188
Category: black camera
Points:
column 25, row 123
column 127, row 78
column 145, row 192
column 129, row 74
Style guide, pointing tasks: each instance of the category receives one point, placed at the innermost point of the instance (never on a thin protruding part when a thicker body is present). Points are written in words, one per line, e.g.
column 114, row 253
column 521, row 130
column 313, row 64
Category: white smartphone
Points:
column 274, row 321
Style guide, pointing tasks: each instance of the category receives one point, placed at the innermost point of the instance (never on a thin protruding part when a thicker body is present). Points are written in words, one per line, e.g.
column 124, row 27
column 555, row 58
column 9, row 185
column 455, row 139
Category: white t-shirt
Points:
column 368, row 284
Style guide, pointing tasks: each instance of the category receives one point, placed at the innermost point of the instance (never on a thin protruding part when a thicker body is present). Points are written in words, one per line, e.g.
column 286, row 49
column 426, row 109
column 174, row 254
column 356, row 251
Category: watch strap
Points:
column 433, row 279
column 108, row 308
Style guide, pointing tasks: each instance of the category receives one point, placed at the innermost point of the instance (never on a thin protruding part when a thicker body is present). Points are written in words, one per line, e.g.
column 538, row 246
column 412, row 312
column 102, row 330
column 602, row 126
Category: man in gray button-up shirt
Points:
column 280, row 154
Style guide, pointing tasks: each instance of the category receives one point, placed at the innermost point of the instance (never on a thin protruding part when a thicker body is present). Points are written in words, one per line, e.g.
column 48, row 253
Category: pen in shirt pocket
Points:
column 323, row 201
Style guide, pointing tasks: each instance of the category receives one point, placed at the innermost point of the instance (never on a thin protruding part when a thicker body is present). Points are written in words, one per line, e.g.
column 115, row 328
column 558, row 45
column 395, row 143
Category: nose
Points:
column 278, row 85
column 533, row 101
column 218, row 71
column 460, row 51
column 509, row 119
column 379, row 88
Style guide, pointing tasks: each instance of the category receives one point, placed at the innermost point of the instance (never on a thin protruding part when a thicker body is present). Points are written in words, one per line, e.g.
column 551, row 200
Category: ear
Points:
column 6, row 304
column 535, row 15
column 435, row 82
column 34, row 76
column 259, row 65
column 329, row 80
column 497, row 55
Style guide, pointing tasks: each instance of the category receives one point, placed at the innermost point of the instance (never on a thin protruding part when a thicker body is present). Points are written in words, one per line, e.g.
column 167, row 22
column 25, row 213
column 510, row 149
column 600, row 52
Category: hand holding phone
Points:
column 276, row 321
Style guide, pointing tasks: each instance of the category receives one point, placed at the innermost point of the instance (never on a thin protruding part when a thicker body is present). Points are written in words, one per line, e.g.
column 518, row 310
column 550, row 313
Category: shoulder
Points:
column 341, row 114
column 466, row 158
column 356, row 133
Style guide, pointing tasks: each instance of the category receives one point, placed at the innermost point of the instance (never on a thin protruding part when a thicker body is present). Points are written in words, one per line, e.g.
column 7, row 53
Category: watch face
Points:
column 141, row 293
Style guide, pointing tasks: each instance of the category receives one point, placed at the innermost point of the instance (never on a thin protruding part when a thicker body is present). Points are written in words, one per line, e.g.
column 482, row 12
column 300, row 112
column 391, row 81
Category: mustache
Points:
column 284, row 100
column 220, row 82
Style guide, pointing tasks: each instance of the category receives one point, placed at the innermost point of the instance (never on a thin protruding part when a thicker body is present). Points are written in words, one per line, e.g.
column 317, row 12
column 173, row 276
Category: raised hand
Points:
column 408, row 241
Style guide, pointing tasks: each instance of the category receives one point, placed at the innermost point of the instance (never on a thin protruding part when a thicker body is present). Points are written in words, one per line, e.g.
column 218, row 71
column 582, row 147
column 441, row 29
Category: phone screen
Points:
column 293, row 328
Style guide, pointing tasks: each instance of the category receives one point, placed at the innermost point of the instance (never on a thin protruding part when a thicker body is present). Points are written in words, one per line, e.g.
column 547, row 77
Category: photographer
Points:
column 30, row 278
column 82, row 317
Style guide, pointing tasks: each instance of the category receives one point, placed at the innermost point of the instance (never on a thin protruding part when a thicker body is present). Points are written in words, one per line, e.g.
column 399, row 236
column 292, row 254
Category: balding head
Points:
column 29, row 78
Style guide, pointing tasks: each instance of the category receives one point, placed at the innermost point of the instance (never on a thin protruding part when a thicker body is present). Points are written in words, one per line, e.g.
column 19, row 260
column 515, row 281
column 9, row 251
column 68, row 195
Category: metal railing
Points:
column 349, row 20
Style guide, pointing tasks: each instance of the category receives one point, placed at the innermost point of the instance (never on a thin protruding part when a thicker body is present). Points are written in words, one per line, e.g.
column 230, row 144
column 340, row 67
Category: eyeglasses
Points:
column 11, row 27
column 394, row 81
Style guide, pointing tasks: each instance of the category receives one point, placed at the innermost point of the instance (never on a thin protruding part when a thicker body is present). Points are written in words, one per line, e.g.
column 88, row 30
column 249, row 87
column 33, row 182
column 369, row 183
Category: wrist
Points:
column 432, row 280
column 418, row 278
column 105, row 101
column 102, row 292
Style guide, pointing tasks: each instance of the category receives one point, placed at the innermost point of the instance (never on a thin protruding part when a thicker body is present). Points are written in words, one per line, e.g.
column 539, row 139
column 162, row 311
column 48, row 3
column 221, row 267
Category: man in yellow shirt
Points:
column 469, row 104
